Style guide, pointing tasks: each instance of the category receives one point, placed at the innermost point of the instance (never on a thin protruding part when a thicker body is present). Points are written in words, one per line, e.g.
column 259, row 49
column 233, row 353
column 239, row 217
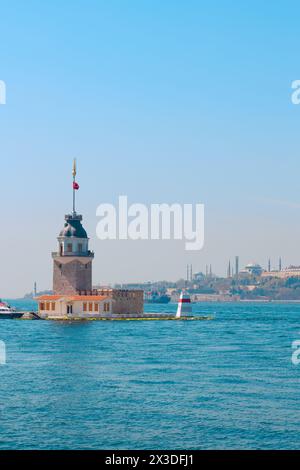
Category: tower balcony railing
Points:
column 85, row 254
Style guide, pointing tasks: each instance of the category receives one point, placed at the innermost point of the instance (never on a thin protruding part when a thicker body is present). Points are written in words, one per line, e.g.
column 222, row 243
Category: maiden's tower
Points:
column 73, row 294
column 72, row 263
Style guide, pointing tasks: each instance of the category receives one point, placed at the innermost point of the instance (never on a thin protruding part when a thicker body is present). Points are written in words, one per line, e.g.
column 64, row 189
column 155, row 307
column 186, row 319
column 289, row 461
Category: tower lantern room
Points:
column 73, row 238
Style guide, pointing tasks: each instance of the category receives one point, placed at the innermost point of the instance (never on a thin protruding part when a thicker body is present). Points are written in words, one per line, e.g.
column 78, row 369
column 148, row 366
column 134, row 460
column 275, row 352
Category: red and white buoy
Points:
column 184, row 304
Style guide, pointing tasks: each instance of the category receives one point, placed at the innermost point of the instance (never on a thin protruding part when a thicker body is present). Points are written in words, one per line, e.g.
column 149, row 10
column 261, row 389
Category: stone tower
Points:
column 72, row 263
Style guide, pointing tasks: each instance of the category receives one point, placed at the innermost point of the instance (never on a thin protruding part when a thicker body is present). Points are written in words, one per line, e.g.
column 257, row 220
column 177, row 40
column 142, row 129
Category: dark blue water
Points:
column 226, row 383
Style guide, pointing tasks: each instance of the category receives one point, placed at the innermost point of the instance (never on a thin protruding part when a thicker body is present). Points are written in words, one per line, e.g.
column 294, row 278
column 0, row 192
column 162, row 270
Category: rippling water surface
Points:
column 220, row 384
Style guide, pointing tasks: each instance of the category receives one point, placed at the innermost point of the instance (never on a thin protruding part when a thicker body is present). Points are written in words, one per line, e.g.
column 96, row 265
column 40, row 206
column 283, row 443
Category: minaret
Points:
column 72, row 264
column 280, row 264
column 269, row 265
column 229, row 269
column 237, row 267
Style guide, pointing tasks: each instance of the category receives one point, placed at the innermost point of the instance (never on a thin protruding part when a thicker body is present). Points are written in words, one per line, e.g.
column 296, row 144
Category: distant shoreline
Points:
column 206, row 301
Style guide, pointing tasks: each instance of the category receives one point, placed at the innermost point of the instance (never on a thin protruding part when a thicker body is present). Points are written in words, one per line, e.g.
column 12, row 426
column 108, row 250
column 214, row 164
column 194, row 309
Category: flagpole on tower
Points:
column 74, row 175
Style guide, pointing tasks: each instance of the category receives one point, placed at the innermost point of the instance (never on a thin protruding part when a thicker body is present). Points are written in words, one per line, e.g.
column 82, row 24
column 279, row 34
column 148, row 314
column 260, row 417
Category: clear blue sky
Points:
column 167, row 101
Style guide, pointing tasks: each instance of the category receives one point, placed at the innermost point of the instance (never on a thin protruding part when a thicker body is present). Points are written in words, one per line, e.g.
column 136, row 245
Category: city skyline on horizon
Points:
column 207, row 272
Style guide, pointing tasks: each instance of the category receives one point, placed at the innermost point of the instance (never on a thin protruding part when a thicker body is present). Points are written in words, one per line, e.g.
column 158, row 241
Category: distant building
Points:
column 199, row 276
column 253, row 269
column 214, row 298
column 291, row 271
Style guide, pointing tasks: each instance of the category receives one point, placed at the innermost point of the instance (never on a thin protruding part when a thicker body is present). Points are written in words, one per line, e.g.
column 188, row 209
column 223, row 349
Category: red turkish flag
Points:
column 75, row 185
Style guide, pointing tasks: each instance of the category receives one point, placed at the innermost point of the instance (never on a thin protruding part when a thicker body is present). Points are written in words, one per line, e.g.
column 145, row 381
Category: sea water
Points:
column 228, row 383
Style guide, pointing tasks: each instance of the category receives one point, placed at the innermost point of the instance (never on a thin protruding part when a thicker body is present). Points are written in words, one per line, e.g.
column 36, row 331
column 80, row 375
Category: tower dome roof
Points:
column 73, row 227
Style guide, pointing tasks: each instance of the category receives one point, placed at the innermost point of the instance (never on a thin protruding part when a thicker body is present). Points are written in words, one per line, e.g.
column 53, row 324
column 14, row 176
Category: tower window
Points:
column 69, row 247
column 90, row 307
column 42, row 306
column 79, row 247
column 96, row 307
column 52, row 306
column 84, row 306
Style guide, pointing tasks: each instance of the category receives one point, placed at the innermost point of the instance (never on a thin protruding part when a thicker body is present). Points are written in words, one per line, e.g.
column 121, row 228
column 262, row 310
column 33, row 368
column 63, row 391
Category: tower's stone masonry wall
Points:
column 72, row 277
column 125, row 301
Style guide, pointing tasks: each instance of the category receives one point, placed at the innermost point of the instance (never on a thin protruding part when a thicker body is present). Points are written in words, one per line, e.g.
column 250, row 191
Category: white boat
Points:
column 6, row 311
